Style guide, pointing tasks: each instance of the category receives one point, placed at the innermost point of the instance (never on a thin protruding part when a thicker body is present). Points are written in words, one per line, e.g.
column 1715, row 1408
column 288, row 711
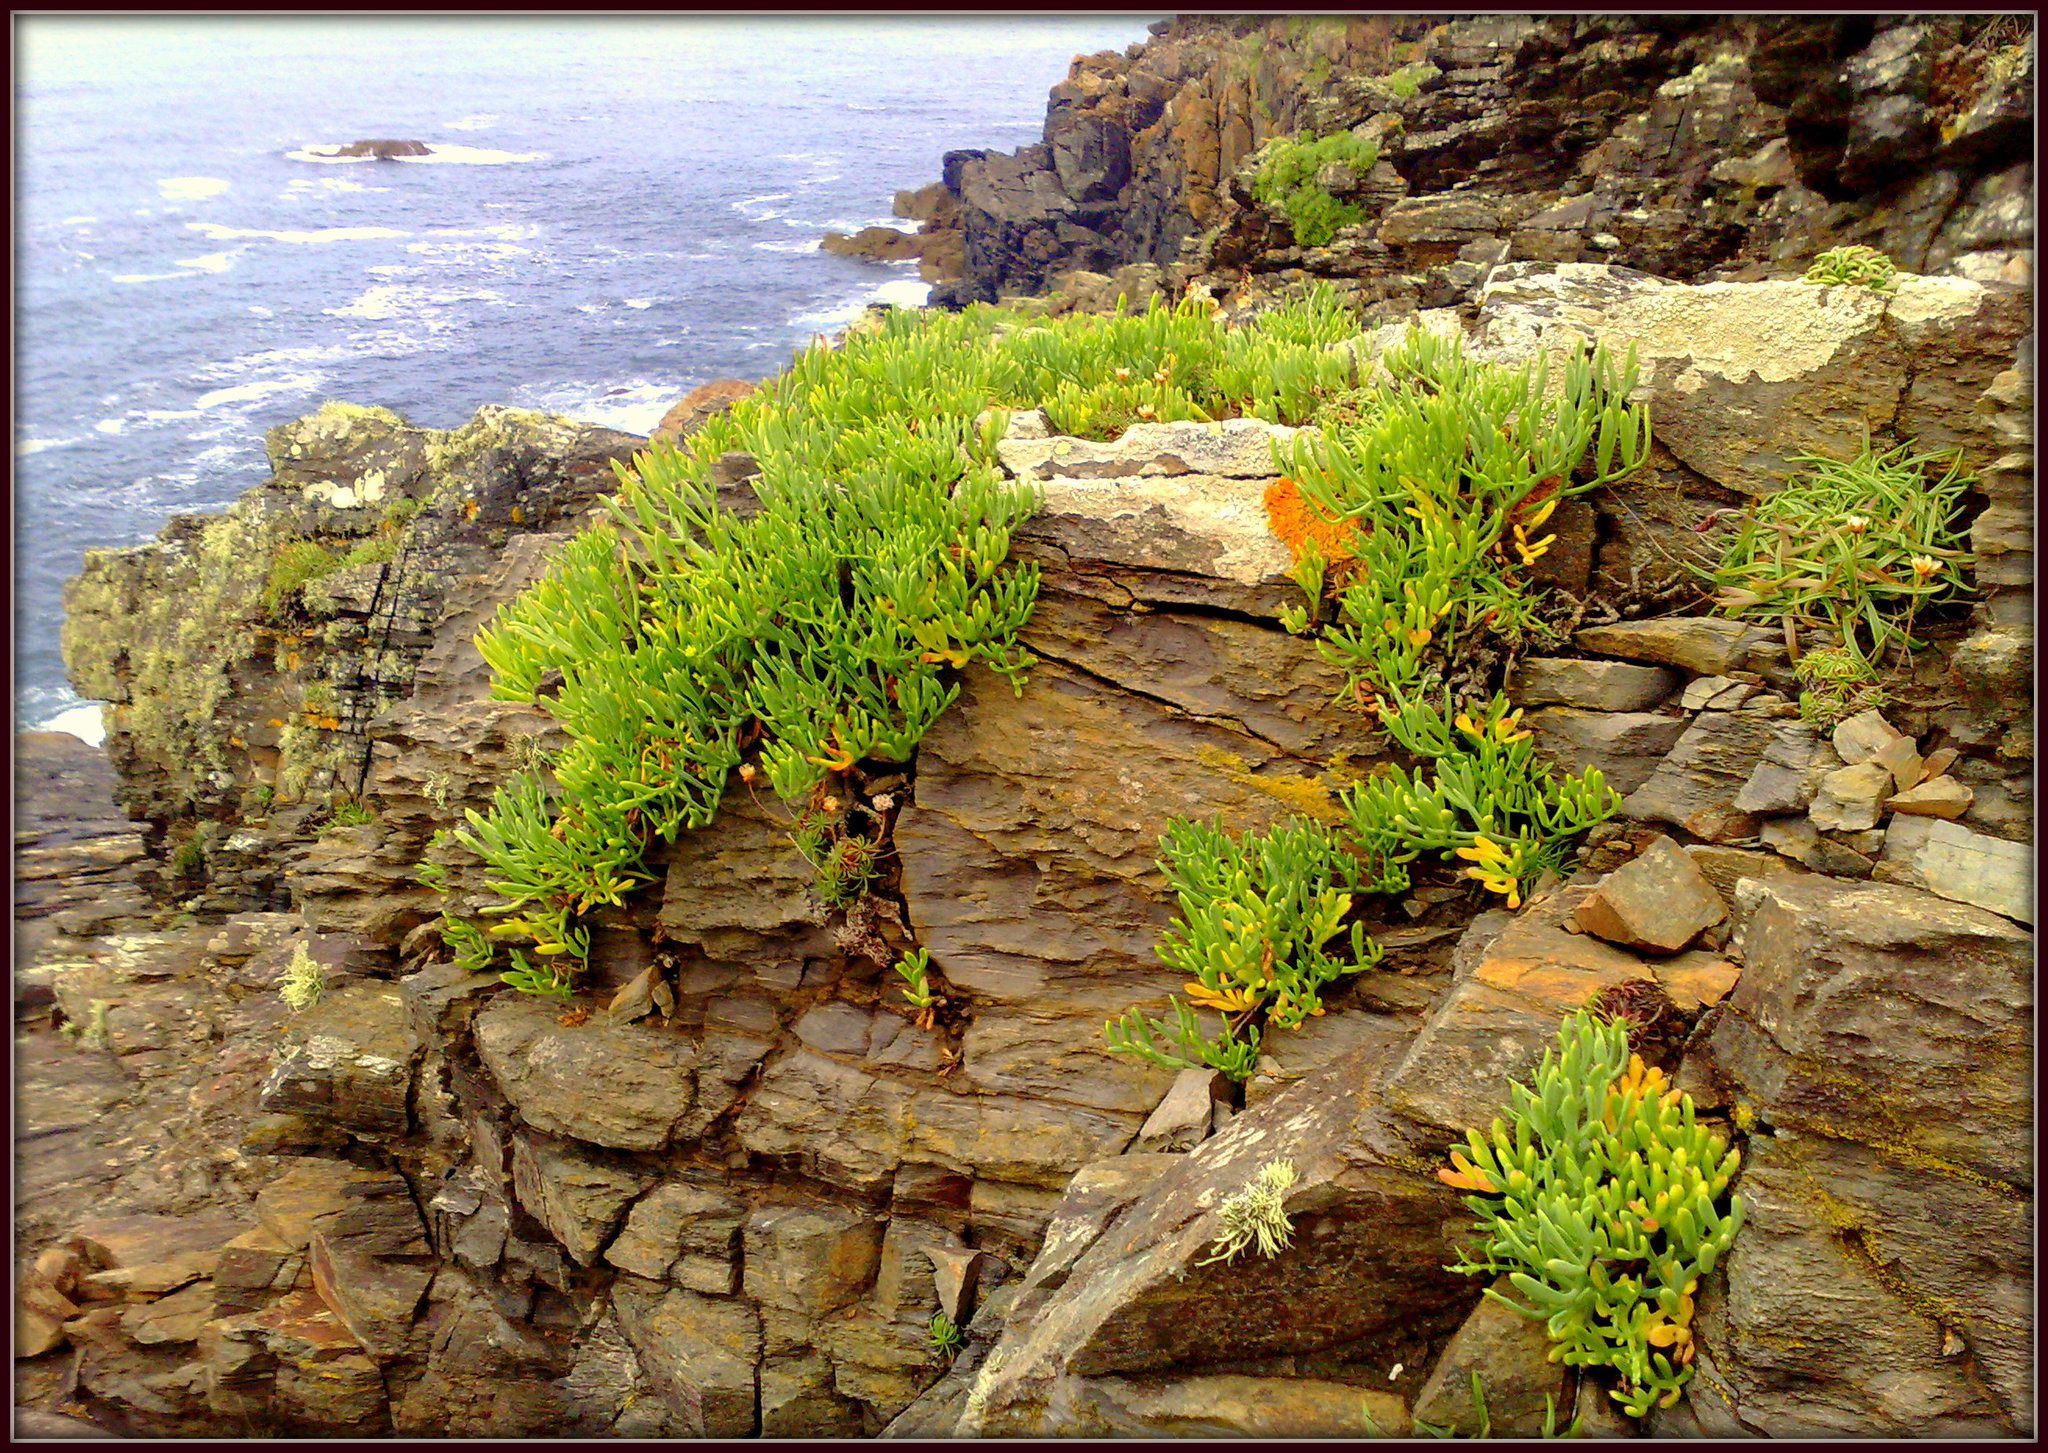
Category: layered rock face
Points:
column 724, row 1191
column 1685, row 147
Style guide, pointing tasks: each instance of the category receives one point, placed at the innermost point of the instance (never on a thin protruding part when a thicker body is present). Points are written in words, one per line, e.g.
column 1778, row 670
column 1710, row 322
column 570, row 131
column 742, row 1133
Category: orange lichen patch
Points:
column 1297, row 521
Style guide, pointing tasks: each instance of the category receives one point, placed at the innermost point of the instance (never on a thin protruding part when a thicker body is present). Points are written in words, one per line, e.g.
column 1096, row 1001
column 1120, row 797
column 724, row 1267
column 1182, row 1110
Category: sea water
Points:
column 612, row 211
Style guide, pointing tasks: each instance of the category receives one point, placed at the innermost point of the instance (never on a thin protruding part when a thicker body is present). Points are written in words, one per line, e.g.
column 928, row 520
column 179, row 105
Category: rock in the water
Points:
column 1589, row 685
column 1659, row 901
column 384, row 149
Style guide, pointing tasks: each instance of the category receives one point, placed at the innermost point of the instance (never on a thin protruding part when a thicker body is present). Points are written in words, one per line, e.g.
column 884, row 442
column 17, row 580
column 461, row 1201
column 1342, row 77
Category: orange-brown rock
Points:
column 688, row 413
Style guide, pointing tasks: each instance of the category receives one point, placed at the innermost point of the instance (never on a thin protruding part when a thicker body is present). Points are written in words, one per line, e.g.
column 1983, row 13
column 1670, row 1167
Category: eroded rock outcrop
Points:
column 432, row 1206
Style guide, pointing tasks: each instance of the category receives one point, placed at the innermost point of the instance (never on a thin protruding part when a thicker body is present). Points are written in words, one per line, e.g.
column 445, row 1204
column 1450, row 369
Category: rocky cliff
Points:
column 724, row 1189
column 1690, row 147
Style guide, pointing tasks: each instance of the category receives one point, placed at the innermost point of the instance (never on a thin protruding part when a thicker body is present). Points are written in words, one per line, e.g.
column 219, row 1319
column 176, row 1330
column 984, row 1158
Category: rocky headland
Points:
column 733, row 1184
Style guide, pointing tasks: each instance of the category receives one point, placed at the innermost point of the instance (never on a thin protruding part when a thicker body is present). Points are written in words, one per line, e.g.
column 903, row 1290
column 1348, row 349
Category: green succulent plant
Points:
column 1287, row 178
column 945, row 1336
column 1865, row 266
column 1257, row 913
column 827, row 629
column 1441, row 471
column 1600, row 1196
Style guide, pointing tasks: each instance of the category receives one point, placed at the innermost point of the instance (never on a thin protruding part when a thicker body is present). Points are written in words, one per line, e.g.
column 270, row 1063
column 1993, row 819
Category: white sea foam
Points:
column 504, row 232
column 415, row 303
column 300, row 185
column 83, row 722
column 190, row 189
column 78, row 221
column 472, row 155
column 903, row 293
column 807, row 244
column 149, row 277
column 212, row 262
column 26, row 447
column 111, row 426
column 639, row 302
column 634, row 407
column 260, row 311
column 303, row 383
column 473, row 123
column 218, row 233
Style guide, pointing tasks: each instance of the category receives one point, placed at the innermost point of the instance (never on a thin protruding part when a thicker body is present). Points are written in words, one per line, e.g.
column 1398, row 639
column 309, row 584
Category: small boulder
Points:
column 384, row 149
column 1511, row 1354
column 1659, row 902
column 1969, row 867
column 1858, row 739
column 1852, row 798
column 1717, row 693
column 1939, row 797
column 1181, row 1119
column 689, row 413
column 1704, row 645
column 1590, row 685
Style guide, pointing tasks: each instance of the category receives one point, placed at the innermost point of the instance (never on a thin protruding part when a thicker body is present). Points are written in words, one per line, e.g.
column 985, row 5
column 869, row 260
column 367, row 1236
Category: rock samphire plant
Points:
column 828, row 628
column 1858, row 546
column 1601, row 1198
column 1865, row 266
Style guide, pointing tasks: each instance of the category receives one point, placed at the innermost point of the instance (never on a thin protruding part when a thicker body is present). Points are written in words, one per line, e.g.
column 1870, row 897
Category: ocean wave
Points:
column 903, row 293
column 504, row 232
column 751, row 208
column 110, row 426
column 303, row 383
column 148, row 277
column 633, row 407
column 327, row 184
column 465, row 254
column 78, row 221
column 413, row 302
column 218, row 233
column 262, row 312
column 212, row 262
column 84, row 722
column 190, row 189
column 473, row 123
column 640, row 302
column 808, row 244
column 863, row 106
column 269, row 360
column 26, row 447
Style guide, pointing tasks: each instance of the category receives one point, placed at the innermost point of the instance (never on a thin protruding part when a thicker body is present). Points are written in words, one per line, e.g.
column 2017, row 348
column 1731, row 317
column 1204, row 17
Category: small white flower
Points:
column 1925, row 565
column 1856, row 524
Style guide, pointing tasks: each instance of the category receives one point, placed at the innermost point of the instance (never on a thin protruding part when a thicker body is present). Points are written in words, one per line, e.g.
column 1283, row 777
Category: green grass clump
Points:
column 1865, row 266
column 1860, row 547
column 378, row 549
column 1598, row 1197
column 296, row 563
column 1287, row 179
column 828, row 629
